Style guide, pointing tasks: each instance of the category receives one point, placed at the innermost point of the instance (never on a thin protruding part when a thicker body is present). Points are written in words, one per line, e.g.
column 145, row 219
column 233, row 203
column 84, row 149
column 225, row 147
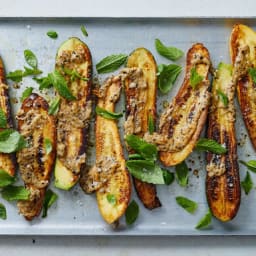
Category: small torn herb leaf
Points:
column 210, row 145
column 187, row 204
column 48, row 146
column 6, row 179
column 131, row 213
column 15, row 76
column 168, row 177
column 54, row 106
column 3, row 119
column 251, row 165
column 3, row 214
column 205, row 221
column 44, row 82
column 84, row 31
column 30, row 58
column 182, row 173
column 50, row 198
column 13, row 193
column 111, row 199
column 52, row 34
column 247, row 183
column 252, row 73
column 151, row 126
column 195, row 78
column 223, row 97
column 26, row 93
column 107, row 114
column 74, row 74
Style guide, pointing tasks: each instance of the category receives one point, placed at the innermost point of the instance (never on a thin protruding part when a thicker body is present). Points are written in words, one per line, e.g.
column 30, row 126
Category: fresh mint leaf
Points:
column 195, row 78
column 210, row 145
column 111, row 63
column 181, row 171
column 132, row 213
column 111, row 199
column 27, row 92
column 54, row 106
column 167, row 75
column 6, row 179
column 169, row 52
column 52, row 34
column 168, row 177
column 247, row 183
column 3, row 119
column 74, row 75
column 31, row 72
column 205, row 221
column 84, row 31
column 187, row 204
column 151, row 126
column 49, row 200
column 13, row 193
column 44, row 82
column 30, row 58
column 135, row 157
column 108, row 114
column 3, row 214
column 15, row 76
column 223, row 97
column 252, row 73
column 48, row 146
column 251, row 165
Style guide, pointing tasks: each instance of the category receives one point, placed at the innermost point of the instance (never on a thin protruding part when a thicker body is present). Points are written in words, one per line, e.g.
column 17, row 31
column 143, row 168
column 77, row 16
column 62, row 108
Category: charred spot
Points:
column 40, row 154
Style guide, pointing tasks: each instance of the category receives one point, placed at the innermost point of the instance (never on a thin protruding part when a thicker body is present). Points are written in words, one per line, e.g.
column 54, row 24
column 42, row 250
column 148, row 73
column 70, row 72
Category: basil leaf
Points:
column 6, row 179
column 27, row 92
column 11, row 141
column 135, row 157
column 247, row 183
column 168, row 177
column 167, row 75
column 3, row 119
column 48, row 146
column 12, row 193
column 151, row 126
column 111, row 199
column 111, row 63
column 3, row 214
column 54, row 106
column 31, row 72
column 30, row 58
column 44, row 82
column 146, row 150
column 252, row 73
column 107, row 114
column 50, row 198
column 131, row 213
column 223, row 97
column 83, row 29
column 195, row 78
column 187, row 204
column 205, row 221
column 251, row 165
column 60, row 84
column 52, row 34
column 171, row 53
column 210, row 145
column 182, row 174
column 15, row 76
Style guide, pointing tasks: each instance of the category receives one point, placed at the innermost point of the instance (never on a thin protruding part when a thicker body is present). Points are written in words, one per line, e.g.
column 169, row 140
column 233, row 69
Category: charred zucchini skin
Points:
column 7, row 161
column 223, row 191
column 142, row 58
column 243, row 38
column 42, row 169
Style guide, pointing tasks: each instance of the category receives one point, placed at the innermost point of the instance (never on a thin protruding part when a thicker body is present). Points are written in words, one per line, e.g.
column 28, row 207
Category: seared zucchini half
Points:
column 36, row 161
column 74, row 62
column 109, row 177
column 243, row 56
column 222, row 181
column 182, row 122
column 7, row 161
column 140, row 90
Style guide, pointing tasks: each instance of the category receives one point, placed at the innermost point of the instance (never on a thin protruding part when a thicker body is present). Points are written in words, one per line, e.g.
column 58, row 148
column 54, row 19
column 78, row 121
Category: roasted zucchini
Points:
column 140, row 90
column 37, row 127
column 243, row 57
column 109, row 177
column 7, row 161
column 222, row 181
column 182, row 122
column 74, row 62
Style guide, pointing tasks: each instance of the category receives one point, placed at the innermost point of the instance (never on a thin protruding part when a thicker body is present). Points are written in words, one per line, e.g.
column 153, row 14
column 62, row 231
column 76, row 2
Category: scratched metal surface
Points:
column 76, row 213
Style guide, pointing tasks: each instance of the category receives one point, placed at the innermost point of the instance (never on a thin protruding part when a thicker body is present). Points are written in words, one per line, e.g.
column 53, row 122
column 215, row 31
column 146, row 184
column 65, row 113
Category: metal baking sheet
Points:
column 76, row 213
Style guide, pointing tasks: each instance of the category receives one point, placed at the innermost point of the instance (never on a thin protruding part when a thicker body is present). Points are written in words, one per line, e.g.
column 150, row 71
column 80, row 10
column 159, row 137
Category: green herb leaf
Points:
column 48, row 146
column 146, row 150
column 27, row 92
column 182, row 174
column 52, row 34
column 247, row 183
column 187, row 204
column 74, row 74
column 12, row 193
column 251, row 165
column 60, row 84
column 15, row 76
column 210, row 145
column 31, row 72
column 195, row 78
column 168, row 177
column 44, row 82
column 83, row 29
column 111, row 63
column 3, row 119
column 132, row 213
column 135, row 157
column 54, row 106
column 6, row 179
column 30, row 58
column 205, row 221
column 3, row 214
column 252, row 73
column 111, row 199
column 167, row 75
column 108, row 114
column 50, row 198
column 223, row 97
column 11, row 141
column 169, row 52
column 151, row 126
